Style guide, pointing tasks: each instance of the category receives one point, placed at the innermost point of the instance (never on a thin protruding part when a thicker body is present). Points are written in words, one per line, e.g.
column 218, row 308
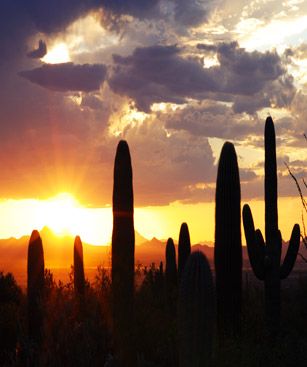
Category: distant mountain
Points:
column 139, row 239
column 58, row 251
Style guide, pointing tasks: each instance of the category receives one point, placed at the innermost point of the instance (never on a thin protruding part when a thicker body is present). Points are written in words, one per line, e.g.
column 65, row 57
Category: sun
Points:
column 58, row 54
column 64, row 215
column 61, row 213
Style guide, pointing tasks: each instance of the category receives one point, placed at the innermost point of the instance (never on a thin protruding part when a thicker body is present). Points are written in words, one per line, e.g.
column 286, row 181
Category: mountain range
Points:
column 58, row 252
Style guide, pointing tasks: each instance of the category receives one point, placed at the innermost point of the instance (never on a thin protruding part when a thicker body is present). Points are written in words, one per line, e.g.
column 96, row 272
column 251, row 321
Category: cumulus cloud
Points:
column 213, row 119
column 67, row 76
column 159, row 74
column 192, row 12
column 162, row 74
column 173, row 162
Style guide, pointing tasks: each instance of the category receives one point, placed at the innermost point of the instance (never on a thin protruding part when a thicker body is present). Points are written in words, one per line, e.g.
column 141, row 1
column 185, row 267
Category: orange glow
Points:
column 61, row 213
column 58, row 54
column 64, row 215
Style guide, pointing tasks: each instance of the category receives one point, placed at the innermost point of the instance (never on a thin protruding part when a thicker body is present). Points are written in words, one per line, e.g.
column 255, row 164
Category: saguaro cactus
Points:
column 79, row 280
column 228, row 247
column 265, row 257
column 123, row 258
column 35, row 286
column 184, row 248
column 196, row 313
column 170, row 264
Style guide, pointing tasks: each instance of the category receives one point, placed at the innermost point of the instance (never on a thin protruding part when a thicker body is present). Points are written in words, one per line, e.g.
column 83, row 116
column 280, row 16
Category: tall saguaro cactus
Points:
column 265, row 257
column 79, row 279
column 228, row 246
column 170, row 264
column 123, row 258
column 184, row 248
column 196, row 313
column 35, row 287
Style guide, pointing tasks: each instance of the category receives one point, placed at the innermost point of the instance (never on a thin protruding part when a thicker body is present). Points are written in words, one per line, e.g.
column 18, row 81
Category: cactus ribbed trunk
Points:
column 196, row 313
column 184, row 248
column 35, row 287
column 264, row 256
column 123, row 258
column 228, row 247
column 79, row 279
column 170, row 265
column 273, row 242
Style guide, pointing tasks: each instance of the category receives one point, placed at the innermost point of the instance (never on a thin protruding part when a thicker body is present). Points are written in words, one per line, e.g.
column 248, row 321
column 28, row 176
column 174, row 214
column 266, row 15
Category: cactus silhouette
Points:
column 265, row 257
column 228, row 246
column 184, row 248
column 79, row 280
column 196, row 313
column 161, row 268
column 35, row 287
column 123, row 258
column 170, row 264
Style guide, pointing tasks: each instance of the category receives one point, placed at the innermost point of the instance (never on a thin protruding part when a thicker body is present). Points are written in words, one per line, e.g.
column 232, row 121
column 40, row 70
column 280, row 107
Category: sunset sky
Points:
column 176, row 79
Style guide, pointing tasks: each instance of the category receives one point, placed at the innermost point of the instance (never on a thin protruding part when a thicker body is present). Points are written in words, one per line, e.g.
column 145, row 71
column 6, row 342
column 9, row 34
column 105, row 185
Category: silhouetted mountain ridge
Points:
column 58, row 252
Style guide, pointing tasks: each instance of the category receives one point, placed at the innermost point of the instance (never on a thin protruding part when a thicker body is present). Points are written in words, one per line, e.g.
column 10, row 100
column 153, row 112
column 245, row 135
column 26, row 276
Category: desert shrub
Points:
column 10, row 302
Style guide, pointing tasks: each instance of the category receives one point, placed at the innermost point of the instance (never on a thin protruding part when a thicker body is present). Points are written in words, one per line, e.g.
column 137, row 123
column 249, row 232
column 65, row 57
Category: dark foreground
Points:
column 78, row 332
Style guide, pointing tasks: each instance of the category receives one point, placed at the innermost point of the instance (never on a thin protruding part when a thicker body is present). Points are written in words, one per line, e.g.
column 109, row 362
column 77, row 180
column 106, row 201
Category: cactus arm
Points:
column 254, row 242
column 291, row 255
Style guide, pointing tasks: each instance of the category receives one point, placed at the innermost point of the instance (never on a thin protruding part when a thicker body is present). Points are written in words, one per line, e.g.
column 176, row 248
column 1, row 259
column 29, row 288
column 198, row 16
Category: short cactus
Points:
column 184, row 248
column 228, row 246
column 79, row 280
column 35, row 287
column 123, row 258
column 196, row 313
column 265, row 257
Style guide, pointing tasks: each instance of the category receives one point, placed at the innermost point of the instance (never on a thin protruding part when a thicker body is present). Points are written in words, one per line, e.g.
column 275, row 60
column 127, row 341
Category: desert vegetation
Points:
column 180, row 313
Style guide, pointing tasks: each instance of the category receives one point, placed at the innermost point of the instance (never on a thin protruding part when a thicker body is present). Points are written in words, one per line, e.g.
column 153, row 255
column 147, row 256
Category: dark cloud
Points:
column 56, row 15
column 39, row 52
column 213, row 120
column 67, row 76
column 247, row 72
column 206, row 47
column 91, row 101
column 159, row 74
column 192, row 12
column 162, row 74
column 140, row 9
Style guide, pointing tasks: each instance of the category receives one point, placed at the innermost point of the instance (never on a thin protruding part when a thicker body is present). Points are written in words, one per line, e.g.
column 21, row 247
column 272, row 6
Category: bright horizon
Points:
column 63, row 214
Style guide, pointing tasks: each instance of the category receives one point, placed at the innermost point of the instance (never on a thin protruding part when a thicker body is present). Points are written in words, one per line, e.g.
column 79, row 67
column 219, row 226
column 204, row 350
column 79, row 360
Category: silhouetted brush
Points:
column 265, row 256
column 184, row 248
column 228, row 246
column 35, row 287
column 79, row 280
column 196, row 313
column 123, row 258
